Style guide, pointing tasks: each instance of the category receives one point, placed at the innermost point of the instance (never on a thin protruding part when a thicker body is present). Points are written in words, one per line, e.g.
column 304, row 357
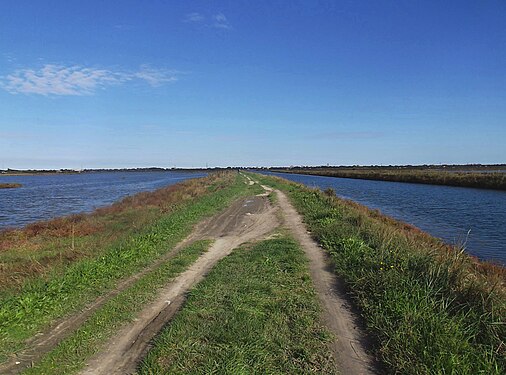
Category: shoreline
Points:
column 476, row 180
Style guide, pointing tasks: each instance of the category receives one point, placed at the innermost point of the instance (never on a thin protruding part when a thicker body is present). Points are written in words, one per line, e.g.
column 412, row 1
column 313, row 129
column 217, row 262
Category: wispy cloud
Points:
column 54, row 79
column 194, row 17
column 218, row 20
column 155, row 77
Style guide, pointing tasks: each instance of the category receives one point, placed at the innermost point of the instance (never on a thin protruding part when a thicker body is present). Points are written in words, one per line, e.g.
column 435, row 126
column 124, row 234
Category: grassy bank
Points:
column 10, row 186
column 492, row 180
column 78, row 258
column 430, row 308
column 256, row 312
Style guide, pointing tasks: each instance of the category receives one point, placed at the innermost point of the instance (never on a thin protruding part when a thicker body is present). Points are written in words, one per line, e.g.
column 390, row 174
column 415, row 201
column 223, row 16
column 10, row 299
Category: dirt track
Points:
column 349, row 346
column 248, row 219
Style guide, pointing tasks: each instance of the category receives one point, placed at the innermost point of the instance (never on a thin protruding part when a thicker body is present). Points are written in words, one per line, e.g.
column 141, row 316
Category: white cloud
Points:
column 155, row 77
column 54, row 79
column 194, row 17
column 218, row 20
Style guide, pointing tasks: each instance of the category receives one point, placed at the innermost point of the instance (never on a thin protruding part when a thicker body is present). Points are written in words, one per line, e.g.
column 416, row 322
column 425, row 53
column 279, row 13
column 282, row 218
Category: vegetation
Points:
column 256, row 312
column 431, row 308
column 492, row 180
column 51, row 269
column 10, row 185
column 70, row 355
column 43, row 247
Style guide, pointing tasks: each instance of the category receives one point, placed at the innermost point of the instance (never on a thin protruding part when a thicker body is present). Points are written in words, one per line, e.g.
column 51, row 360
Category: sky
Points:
column 113, row 84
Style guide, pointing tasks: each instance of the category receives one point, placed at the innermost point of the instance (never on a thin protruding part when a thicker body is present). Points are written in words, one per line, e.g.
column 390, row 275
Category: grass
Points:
column 431, row 308
column 42, row 247
column 71, row 354
column 493, row 180
column 9, row 185
column 256, row 312
column 40, row 299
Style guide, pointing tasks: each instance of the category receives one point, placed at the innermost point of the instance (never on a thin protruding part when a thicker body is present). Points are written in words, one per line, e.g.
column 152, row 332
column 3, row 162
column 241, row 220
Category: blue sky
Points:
column 188, row 83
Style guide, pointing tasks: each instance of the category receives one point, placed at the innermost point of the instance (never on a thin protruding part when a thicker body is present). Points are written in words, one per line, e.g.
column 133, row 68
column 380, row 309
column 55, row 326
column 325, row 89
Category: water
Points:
column 444, row 211
column 44, row 197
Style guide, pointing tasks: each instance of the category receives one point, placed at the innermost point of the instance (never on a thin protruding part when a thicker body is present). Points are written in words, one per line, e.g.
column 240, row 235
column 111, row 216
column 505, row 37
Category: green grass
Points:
column 432, row 310
column 71, row 354
column 256, row 312
column 40, row 301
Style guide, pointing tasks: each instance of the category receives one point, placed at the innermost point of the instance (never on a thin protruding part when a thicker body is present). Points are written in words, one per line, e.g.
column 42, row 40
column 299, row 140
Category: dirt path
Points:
column 43, row 342
column 349, row 344
column 246, row 220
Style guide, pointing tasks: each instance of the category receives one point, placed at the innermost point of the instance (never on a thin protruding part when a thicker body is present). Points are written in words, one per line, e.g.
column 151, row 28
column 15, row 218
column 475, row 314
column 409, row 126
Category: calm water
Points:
column 48, row 196
column 443, row 211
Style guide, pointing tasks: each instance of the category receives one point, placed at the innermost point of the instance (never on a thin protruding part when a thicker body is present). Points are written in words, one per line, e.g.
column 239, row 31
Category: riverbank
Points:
column 10, row 186
column 481, row 180
column 430, row 307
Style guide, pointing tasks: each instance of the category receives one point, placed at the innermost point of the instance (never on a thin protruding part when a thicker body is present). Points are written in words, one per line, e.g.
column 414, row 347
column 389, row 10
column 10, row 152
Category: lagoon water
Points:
column 454, row 214
column 47, row 196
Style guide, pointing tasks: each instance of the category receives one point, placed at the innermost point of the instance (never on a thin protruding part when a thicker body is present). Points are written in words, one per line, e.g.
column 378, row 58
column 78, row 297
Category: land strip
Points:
column 9, row 185
column 36, row 307
column 481, row 180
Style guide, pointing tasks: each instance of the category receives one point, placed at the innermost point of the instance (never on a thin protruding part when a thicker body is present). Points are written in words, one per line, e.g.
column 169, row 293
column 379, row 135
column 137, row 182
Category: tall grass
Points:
column 432, row 308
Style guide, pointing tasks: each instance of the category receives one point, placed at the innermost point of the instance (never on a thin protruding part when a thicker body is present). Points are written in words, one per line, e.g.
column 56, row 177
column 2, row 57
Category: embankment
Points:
column 429, row 307
column 494, row 180
column 52, row 270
